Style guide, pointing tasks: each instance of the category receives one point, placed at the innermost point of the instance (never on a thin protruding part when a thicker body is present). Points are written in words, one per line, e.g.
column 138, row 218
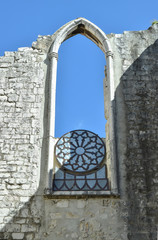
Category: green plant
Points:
column 154, row 22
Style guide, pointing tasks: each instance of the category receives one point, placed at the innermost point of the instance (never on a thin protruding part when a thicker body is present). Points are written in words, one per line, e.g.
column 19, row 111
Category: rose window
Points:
column 80, row 164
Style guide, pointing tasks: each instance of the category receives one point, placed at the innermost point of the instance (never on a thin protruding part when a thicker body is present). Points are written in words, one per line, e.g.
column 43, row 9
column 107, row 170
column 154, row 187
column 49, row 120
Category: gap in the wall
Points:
column 79, row 95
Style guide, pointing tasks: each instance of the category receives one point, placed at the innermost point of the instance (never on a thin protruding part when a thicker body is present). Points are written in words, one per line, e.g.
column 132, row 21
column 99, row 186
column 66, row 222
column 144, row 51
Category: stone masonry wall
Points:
column 25, row 213
column 21, row 95
column 138, row 86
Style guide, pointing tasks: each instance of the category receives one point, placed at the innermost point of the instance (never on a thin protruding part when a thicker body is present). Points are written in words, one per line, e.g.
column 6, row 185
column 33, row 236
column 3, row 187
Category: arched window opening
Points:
column 79, row 91
column 67, row 156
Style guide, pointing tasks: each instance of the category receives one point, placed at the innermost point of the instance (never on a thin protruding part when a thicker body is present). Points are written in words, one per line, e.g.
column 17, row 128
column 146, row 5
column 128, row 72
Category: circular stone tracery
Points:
column 80, row 151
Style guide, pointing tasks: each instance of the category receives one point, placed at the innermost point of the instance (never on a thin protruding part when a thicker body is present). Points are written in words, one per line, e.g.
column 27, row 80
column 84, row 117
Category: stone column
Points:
column 112, row 137
column 53, row 56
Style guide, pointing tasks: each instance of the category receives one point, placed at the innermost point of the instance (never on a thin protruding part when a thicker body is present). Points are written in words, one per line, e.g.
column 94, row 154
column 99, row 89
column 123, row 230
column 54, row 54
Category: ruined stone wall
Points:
column 22, row 87
column 25, row 213
column 137, row 88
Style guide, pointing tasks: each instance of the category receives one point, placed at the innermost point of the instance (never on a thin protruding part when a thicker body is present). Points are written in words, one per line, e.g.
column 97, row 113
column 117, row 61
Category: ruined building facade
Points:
column 30, row 208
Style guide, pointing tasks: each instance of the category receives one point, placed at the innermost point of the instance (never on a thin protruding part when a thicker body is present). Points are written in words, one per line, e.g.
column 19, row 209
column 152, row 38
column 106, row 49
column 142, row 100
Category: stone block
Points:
column 5, row 65
column 24, row 213
column 17, row 236
column 9, row 54
column 24, row 199
column 4, row 175
column 3, row 98
column 13, row 97
column 56, row 215
column 10, row 187
column 29, row 237
column 72, row 215
column 20, row 220
column 74, row 235
column 1, row 220
column 81, row 203
column 21, row 180
column 13, row 227
column 6, row 59
column 26, row 186
column 28, row 228
column 62, row 204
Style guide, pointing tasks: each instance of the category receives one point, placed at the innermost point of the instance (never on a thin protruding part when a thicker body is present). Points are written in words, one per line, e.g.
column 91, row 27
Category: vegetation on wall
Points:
column 154, row 22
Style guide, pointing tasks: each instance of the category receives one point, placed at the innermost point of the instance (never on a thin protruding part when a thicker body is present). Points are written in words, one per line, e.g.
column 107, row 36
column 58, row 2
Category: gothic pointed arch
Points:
column 84, row 27
column 94, row 33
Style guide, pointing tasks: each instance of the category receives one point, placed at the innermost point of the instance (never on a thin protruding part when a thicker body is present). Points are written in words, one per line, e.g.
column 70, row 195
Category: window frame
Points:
column 94, row 33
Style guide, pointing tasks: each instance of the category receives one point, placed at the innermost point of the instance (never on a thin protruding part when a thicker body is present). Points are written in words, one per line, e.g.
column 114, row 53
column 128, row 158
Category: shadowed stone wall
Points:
column 138, row 87
column 25, row 213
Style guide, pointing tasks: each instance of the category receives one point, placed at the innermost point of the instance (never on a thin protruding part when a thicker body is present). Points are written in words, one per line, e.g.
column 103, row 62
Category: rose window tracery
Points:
column 80, row 156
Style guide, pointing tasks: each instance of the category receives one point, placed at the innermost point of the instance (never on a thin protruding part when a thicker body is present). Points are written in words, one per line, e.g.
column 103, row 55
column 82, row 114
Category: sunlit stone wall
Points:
column 25, row 212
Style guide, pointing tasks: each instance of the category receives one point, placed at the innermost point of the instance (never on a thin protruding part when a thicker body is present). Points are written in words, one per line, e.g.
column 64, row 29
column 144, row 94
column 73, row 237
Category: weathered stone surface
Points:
column 62, row 203
column 17, row 236
column 24, row 212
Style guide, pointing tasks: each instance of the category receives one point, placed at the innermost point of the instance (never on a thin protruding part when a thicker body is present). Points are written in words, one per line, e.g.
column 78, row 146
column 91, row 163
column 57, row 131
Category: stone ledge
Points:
column 79, row 194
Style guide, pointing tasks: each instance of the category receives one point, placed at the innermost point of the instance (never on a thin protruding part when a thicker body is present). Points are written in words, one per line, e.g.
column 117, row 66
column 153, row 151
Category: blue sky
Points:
column 81, row 63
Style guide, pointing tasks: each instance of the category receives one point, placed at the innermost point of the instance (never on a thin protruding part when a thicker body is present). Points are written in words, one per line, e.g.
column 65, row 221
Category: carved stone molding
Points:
column 109, row 54
column 53, row 54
